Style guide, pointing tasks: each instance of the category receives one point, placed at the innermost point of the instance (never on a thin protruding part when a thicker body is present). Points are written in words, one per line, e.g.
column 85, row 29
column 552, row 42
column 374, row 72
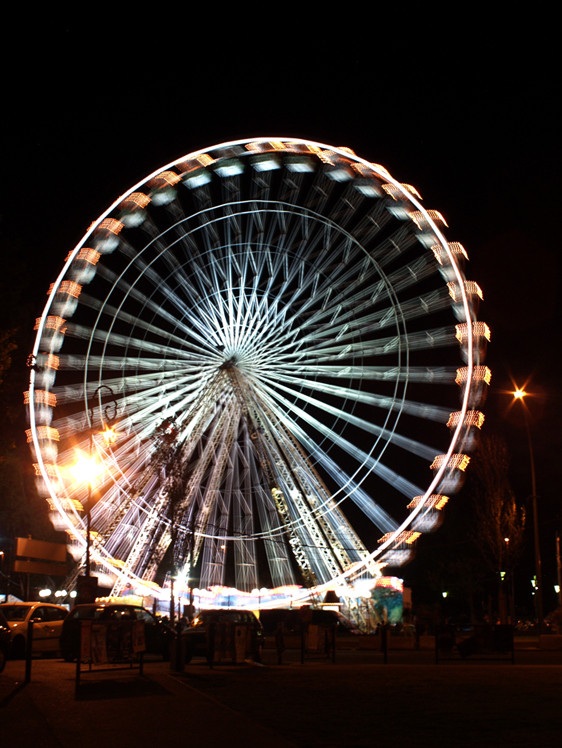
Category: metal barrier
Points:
column 482, row 641
column 231, row 642
column 318, row 640
column 109, row 643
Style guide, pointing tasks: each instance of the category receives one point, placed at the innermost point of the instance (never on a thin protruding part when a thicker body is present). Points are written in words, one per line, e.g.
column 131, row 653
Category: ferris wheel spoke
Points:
column 195, row 329
column 215, row 457
column 321, row 510
column 389, row 435
column 141, row 344
column 429, row 374
column 182, row 342
column 245, row 557
column 388, row 403
column 423, row 340
column 142, row 268
column 362, row 458
column 214, row 548
column 347, row 485
column 274, row 541
column 353, row 320
column 392, row 248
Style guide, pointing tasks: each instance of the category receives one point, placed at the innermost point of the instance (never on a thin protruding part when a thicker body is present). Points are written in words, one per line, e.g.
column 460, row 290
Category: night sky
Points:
column 469, row 114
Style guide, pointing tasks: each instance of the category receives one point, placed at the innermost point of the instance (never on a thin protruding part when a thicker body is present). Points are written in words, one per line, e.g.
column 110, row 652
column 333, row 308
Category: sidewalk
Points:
column 116, row 707
column 356, row 701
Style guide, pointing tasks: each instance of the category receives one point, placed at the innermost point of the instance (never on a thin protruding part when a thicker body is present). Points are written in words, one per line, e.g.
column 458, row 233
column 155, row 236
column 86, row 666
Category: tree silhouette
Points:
column 500, row 522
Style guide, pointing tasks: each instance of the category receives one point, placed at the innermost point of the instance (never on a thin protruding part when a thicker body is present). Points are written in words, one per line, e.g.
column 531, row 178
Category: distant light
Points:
column 229, row 168
column 44, row 593
column 368, row 189
column 299, row 164
column 197, row 179
column 445, row 594
column 340, row 174
column 109, row 436
column 265, row 163
column 519, row 394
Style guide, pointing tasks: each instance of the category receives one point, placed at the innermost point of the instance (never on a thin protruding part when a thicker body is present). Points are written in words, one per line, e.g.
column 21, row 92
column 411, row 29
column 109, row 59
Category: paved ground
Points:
column 356, row 701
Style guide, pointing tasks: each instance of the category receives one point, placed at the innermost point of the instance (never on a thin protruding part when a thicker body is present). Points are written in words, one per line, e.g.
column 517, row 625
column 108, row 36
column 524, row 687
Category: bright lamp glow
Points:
column 109, row 436
column 87, row 469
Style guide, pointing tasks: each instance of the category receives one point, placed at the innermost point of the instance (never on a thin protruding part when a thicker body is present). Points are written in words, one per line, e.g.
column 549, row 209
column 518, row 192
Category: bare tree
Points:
column 500, row 522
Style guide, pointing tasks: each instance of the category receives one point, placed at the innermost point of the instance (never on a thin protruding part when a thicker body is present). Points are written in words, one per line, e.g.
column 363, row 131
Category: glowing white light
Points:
column 267, row 163
column 230, row 169
column 197, row 179
column 86, row 469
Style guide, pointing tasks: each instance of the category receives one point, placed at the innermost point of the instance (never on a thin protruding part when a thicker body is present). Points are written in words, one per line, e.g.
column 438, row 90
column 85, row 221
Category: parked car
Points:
column 291, row 621
column 200, row 637
column 5, row 641
column 157, row 634
column 47, row 626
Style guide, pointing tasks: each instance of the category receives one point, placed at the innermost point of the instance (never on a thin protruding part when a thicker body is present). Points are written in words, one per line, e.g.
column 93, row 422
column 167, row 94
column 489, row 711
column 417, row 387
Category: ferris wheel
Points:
column 286, row 349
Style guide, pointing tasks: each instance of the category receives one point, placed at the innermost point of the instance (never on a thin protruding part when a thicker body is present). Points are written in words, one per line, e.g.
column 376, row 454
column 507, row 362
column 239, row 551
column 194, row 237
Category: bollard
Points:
column 177, row 653
column 28, row 651
column 384, row 642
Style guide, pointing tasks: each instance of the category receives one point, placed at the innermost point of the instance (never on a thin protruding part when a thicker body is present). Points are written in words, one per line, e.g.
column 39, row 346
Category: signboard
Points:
column 41, row 549
column 40, row 557
column 139, row 643
column 98, row 650
column 40, row 567
column 111, row 641
column 85, row 641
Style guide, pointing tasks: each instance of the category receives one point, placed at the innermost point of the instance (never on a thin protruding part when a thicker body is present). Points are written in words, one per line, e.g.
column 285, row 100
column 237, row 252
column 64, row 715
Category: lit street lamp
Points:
column 3, row 576
column 90, row 470
column 520, row 394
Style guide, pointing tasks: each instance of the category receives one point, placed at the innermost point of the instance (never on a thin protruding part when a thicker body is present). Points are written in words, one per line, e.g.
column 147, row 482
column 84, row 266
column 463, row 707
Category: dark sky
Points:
column 467, row 111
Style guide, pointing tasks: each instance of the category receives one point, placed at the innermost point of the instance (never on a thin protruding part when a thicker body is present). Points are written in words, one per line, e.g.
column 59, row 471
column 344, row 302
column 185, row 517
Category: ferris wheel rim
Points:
column 437, row 478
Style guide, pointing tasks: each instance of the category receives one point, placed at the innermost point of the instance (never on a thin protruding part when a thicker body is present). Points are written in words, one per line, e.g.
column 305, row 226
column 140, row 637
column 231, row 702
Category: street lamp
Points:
column 519, row 394
column 88, row 469
column 3, row 577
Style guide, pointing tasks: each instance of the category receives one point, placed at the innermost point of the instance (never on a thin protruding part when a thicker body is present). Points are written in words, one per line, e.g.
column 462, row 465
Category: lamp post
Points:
column 520, row 394
column 88, row 469
column 166, row 456
column 3, row 577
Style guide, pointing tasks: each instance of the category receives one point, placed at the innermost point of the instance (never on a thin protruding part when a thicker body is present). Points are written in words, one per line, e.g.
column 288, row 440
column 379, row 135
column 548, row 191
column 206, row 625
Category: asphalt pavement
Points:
column 358, row 700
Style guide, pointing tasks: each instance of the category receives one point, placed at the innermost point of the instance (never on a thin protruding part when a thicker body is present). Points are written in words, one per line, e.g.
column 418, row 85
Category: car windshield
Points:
column 15, row 612
column 88, row 611
column 110, row 611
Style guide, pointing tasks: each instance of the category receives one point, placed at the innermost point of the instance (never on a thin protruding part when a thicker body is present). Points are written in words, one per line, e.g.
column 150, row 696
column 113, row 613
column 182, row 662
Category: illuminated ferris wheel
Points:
column 287, row 351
